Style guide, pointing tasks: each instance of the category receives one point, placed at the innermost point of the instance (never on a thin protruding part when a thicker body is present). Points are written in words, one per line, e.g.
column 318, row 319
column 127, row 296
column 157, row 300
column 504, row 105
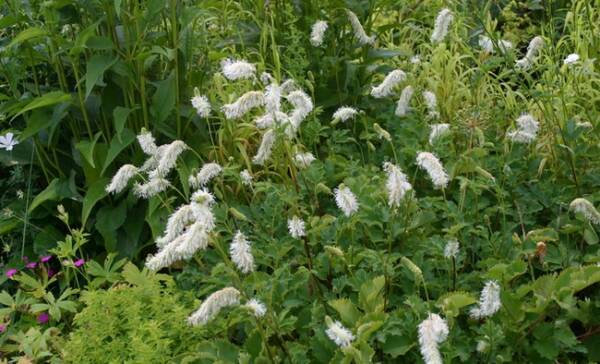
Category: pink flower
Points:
column 45, row 258
column 2, row 328
column 31, row 265
column 43, row 318
column 79, row 262
column 11, row 272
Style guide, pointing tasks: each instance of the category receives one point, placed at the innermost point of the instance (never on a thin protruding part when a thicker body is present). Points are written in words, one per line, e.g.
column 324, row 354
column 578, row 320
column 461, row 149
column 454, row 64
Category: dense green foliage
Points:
column 80, row 79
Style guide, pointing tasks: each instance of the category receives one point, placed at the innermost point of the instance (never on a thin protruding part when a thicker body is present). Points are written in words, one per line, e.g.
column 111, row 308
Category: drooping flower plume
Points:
column 205, row 175
column 302, row 104
column 303, row 160
column 213, row 304
column 488, row 45
column 237, row 70
column 489, row 301
column 386, row 87
column 346, row 200
column 451, row 249
column 571, row 59
column 265, row 149
column 434, row 168
column 533, row 51
column 431, row 103
column 241, row 253
column 437, row 131
column 243, row 104
column 403, row 105
column 121, row 178
column 318, row 32
column 359, row 31
column 432, row 332
column 340, row 335
column 345, row 113
column 202, row 106
column 585, row 207
column 442, row 22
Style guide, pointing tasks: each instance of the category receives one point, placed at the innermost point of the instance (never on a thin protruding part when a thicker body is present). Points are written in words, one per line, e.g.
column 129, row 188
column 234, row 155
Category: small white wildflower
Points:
column 359, row 31
column 317, row 33
column 442, row 22
column 241, row 253
column 482, row 346
column 488, row 45
column 397, row 184
column 265, row 149
column 386, row 87
column 242, row 105
column 8, row 141
column 147, row 143
column 451, row 249
column 585, row 207
column 489, row 301
column 296, row 227
column 121, row 178
column 202, row 106
column 432, row 332
column 151, row 188
column 438, row 130
column 431, row 103
column 228, row 296
column 303, row 105
column 403, row 105
column 20, row 194
column 303, row 160
column 416, row 59
column 246, row 177
column 205, row 175
column 346, row 200
column 340, row 335
column 257, row 307
column 571, row 59
column 237, row 70
column 527, row 128
column 533, row 51
column 345, row 113
column 430, row 163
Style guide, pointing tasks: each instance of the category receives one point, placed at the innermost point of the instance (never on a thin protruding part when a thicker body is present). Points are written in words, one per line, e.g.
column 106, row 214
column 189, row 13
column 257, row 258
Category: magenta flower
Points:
column 2, row 328
column 79, row 262
column 45, row 258
column 51, row 272
column 11, row 272
column 43, row 318
column 31, row 265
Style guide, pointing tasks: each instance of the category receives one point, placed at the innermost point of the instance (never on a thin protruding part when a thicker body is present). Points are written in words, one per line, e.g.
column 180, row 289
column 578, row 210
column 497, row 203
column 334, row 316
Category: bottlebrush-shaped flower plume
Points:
column 585, row 207
column 434, row 168
column 303, row 160
column 246, row 177
column 386, row 87
column 296, row 227
column 432, row 332
column 346, row 200
column 533, row 51
column 437, row 131
column 168, row 159
column 265, row 149
column 176, row 224
column 228, row 296
column 571, row 59
column 397, row 184
column 151, row 188
column 527, row 128
column 121, row 178
column 237, row 70
column 241, row 253
column 431, row 103
column 202, row 106
column 318, row 32
column 269, row 120
column 359, row 31
column 451, row 249
column 147, row 142
column 302, row 104
column 488, row 45
column 242, row 105
column 340, row 335
column 345, row 113
column 442, row 22
column 489, row 301
column 257, row 307
column 403, row 105
column 205, row 175
column 273, row 97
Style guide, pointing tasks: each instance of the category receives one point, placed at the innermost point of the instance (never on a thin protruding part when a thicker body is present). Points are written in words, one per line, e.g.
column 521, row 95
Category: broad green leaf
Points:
column 96, row 67
column 347, row 311
column 451, row 303
column 86, row 148
column 590, row 236
column 83, row 37
column 27, row 34
column 117, row 146
column 95, row 193
column 48, row 99
column 120, row 115
column 370, row 296
column 56, row 191
column 163, row 100
column 396, row 345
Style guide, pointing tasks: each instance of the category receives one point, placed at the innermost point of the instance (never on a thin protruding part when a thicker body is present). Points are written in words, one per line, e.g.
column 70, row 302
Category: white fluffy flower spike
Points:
column 205, row 175
column 527, row 128
column 237, row 70
column 437, row 131
column 585, row 207
column 442, row 22
column 346, row 200
column 296, row 227
column 345, row 113
column 359, row 31
column 434, row 168
column 452, row 248
column 533, row 51
column 403, row 105
column 340, row 335
column 265, row 149
column 489, row 301
column 397, row 184
column 318, row 32
column 211, row 306
column 245, row 103
column 120, row 179
column 241, row 253
column 257, row 307
column 432, row 332
column 202, row 106
column 386, row 87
